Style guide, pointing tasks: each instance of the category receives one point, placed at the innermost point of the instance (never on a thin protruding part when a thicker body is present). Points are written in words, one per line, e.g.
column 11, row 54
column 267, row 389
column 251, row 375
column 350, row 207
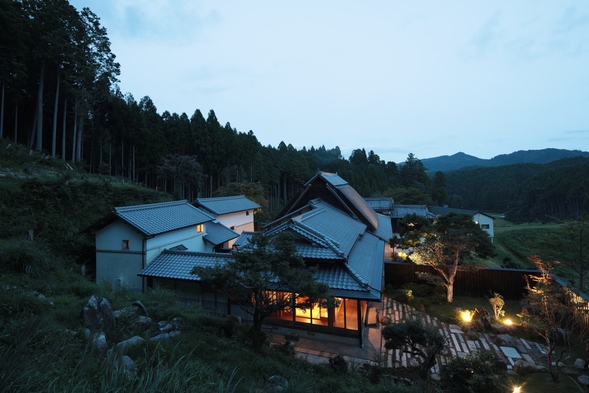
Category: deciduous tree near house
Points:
column 455, row 239
column 577, row 233
column 553, row 313
column 264, row 266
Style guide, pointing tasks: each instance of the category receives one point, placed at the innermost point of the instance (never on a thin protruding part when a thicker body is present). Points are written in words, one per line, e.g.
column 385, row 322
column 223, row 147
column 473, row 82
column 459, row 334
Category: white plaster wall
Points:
column 111, row 237
column 486, row 220
column 239, row 220
column 189, row 237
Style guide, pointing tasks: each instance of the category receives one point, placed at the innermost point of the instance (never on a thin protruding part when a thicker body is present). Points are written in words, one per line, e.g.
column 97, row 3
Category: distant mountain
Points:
column 462, row 160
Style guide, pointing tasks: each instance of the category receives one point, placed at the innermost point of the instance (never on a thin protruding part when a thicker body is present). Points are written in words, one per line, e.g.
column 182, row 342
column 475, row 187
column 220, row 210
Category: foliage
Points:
column 449, row 247
column 552, row 312
column 26, row 256
column 413, row 338
column 264, row 266
column 497, row 303
column 577, row 235
column 481, row 372
column 413, row 229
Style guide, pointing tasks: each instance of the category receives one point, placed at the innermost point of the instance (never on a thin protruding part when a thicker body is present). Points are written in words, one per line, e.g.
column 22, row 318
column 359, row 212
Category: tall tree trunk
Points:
column 75, row 132
column 2, row 111
column 39, row 144
column 79, row 139
column 63, row 129
column 55, row 108
column 15, row 123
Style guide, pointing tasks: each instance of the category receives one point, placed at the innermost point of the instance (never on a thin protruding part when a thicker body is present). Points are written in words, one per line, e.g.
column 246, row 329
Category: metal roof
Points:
column 228, row 204
column 440, row 211
column 178, row 264
column 217, row 233
column 156, row 218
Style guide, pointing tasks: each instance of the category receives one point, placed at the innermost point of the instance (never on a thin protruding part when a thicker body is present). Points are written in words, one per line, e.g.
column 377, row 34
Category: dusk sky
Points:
column 431, row 78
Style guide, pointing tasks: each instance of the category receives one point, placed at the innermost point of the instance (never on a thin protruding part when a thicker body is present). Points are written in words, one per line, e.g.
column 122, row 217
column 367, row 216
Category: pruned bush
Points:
column 338, row 364
column 482, row 372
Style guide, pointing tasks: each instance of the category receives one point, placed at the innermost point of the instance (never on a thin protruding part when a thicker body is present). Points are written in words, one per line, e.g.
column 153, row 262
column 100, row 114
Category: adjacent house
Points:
column 335, row 229
column 234, row 212
column 400, row 211
column 131, row 237
column 485, row 221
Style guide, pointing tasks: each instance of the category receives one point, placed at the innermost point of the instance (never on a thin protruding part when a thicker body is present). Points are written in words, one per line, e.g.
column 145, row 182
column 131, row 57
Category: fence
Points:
column 509, row 283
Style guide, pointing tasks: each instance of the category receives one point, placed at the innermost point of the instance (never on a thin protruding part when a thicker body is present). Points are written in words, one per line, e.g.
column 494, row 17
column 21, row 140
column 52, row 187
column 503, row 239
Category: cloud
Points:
column 487, row 37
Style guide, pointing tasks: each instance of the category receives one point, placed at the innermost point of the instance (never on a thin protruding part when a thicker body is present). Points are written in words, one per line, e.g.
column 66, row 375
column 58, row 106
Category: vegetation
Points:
column 553, row 313
column 481, row 372
column 413, row 338
column 449, row 247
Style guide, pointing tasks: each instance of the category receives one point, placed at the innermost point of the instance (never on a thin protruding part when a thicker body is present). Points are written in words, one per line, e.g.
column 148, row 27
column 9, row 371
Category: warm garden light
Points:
column 508, row 322
column 466, row 315
column 517, row 389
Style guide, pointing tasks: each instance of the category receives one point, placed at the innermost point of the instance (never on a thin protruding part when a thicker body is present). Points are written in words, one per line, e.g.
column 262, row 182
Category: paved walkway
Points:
column 318, row 348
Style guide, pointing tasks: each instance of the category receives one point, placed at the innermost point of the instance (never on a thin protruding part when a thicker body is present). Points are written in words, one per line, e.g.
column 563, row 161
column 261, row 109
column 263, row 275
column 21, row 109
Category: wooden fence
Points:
column 509, row 283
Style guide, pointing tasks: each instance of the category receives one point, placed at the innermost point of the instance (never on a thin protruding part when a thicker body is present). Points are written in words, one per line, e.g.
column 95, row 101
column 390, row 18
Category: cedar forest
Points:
column 60, row 95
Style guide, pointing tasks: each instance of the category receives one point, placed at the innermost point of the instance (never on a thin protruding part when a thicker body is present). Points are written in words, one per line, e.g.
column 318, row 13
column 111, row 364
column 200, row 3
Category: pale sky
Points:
column 431, row 78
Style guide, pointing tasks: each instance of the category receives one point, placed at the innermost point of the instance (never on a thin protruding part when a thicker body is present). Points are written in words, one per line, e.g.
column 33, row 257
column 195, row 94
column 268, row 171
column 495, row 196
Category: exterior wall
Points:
column 486, row 224
column 191, row 239
column 115, row 265
column 242, row 221
column 119, row 266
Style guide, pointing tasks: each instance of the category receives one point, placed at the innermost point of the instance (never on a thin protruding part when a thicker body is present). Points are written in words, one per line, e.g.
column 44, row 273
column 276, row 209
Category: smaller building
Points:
column 234, row 212
column 131, row 237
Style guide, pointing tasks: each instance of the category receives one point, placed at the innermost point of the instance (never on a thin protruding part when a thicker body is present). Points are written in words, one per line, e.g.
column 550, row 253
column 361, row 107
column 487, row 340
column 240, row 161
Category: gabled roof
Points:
column 155, row 218
column 400, row 211
column 225, row 205
column 331, row 188
column 218, row 233
column 178, row 264
column 440, row 211
column 380, row 204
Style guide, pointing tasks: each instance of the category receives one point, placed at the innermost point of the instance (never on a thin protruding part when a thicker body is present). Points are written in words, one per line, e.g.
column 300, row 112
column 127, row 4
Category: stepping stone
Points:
column 485, row 344
column 455, row 329
column 511, row 352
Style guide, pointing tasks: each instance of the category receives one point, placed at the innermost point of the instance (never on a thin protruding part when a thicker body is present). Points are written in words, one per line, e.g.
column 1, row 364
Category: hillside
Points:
column 462, row 160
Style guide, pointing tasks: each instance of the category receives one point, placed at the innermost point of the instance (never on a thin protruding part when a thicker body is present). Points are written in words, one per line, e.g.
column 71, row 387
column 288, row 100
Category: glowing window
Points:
column 200, row 228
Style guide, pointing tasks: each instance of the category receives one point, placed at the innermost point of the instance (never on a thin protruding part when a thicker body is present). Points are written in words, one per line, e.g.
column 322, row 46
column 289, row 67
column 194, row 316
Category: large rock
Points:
column 98, row 314
column 140, row 308
column 583, row 380
column 580, row 364
column 132, row 342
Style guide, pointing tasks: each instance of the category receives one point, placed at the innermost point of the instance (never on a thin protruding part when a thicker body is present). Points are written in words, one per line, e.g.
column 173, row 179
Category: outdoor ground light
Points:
column 517, row 389
column 466, row 316
column 508, row 322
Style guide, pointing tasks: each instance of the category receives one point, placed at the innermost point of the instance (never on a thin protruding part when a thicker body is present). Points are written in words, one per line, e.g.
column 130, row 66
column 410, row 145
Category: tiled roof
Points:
column 440, row 211
column 243, row 239
column 367, row 261
column 382, row 204
column 400, row 211
column 156, row 218
column 229, row 204
column 218, row 233
column 178, row 264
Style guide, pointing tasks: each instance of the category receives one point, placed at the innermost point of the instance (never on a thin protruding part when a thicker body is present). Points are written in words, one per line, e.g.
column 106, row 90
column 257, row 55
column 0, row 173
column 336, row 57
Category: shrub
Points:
column 25, row 256
column 338, row 364
column 482, row 372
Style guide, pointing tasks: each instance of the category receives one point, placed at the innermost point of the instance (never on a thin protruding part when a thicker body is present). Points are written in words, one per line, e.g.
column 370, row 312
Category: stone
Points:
column 142, row 322
column 99, row 341
column 504, row 340
column 131, row 342
column 499, row 329
column 98, row 314
column 164, row 326
column 580, row 364
column 278, row 383
column 126, row 365
column 141, row 308
column 583, row 380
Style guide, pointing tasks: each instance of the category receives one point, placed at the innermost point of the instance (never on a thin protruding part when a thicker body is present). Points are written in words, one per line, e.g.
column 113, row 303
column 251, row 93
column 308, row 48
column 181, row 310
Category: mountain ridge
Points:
column 462, row 160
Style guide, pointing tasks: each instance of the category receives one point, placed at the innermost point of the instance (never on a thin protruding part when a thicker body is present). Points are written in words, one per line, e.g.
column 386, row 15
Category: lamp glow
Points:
column 517, row 389
column 466, row 315
column 508, row 322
